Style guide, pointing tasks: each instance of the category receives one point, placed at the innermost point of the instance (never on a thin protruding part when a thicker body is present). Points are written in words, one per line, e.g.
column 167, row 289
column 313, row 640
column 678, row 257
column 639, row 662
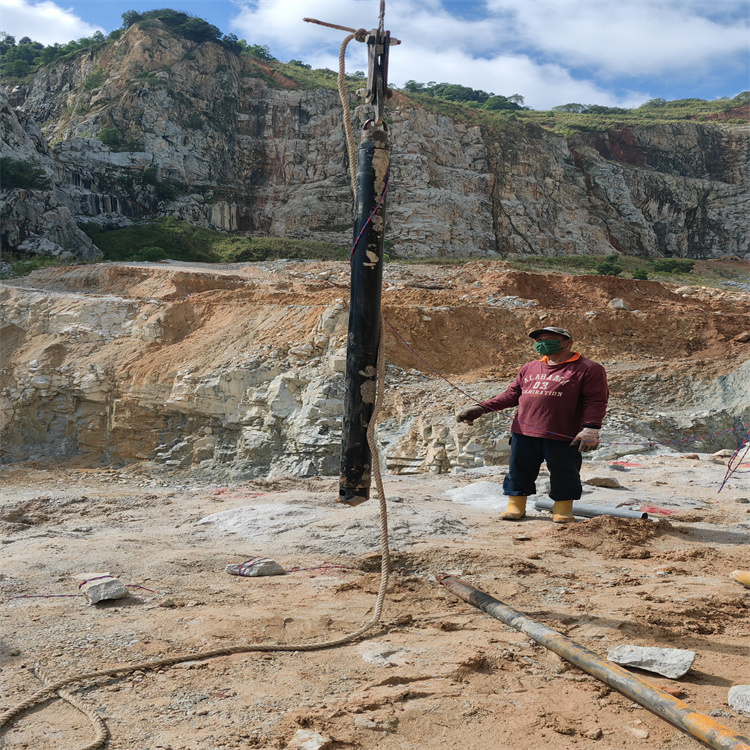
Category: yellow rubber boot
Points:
column 741, row 576
column 562, row 511
column 516, row 508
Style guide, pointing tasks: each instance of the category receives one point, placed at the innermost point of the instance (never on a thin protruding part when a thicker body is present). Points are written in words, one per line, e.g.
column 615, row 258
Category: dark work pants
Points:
column 563, row 462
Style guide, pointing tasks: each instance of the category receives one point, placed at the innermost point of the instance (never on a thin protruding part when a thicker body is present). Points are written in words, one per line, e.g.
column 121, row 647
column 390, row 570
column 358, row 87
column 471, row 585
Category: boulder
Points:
column 598, row 481
column 669, row 662
column 739, row 699
column 99, row 587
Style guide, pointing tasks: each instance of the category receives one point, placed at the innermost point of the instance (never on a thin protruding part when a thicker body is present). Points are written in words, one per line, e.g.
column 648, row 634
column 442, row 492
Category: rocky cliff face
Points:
column 35, row 221
column 197, row 132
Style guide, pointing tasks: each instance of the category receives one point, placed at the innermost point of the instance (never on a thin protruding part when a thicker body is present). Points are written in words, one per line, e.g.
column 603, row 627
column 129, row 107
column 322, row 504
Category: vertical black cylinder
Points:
column 364, row 316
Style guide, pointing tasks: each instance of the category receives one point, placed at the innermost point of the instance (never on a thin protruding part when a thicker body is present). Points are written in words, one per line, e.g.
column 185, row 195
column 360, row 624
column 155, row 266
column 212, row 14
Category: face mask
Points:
column 549, row 346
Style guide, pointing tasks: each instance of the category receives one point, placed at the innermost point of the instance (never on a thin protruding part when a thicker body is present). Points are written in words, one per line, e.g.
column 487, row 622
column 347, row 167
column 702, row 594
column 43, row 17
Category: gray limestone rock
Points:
column 739, row 699
column 461, row 190
column 669, row 662
column 304, row 739
column 618, row 304
column 99, row 587
column 256, row 566
column 600, row 481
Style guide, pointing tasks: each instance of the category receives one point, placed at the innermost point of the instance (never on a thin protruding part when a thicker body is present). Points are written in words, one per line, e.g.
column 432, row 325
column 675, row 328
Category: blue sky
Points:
column 610, row 52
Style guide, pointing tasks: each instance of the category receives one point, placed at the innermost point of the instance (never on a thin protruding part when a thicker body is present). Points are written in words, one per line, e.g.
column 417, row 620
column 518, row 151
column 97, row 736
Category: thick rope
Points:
column 53, row 688
column 100, row 728
column 351, row 146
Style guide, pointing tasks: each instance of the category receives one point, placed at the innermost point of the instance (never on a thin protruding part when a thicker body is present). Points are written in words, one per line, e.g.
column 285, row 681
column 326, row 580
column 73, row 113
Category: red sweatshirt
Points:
column 555, row 401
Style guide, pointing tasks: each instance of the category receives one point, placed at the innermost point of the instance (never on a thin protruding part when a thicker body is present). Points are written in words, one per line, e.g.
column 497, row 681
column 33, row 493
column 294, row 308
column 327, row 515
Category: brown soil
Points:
column 435, row 672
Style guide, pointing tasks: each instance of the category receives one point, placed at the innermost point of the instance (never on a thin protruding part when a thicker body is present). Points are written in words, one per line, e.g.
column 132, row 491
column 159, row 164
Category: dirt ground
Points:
column 435, row 672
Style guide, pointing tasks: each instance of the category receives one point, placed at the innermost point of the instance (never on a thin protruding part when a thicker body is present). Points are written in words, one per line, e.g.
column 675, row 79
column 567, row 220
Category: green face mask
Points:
column 549, row 346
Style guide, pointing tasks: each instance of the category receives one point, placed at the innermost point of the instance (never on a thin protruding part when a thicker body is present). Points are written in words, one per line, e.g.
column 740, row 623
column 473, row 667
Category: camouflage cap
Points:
column 550, row 329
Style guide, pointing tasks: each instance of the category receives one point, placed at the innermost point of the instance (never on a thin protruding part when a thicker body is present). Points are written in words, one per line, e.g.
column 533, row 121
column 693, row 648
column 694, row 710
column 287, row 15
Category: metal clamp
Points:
column 378, row 45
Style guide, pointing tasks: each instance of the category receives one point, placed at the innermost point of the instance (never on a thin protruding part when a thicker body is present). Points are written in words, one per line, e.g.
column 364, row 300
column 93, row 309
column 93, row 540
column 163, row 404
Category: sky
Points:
column 552, row 52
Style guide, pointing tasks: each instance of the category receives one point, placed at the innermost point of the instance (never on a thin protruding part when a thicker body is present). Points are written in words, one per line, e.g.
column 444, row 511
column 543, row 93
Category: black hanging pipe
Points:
column 373, row 170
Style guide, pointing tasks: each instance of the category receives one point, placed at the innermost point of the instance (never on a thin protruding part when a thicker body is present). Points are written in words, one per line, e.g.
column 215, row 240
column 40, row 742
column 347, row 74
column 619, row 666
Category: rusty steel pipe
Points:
column 699, row 726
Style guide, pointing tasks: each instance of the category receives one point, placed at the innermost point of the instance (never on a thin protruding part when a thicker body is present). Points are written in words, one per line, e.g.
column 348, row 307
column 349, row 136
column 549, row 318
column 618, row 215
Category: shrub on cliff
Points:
column 29, row 175
column 190, row 27
column 117, row 142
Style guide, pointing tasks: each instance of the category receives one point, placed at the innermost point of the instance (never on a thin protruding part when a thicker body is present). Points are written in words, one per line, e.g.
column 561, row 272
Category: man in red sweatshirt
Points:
column 561, row 399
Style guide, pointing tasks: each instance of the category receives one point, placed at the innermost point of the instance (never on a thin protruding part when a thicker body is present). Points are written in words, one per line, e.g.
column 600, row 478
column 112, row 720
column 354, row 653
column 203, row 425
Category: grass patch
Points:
column 658, row 269
column 429, row 261
column 170, row 238
column 24, row 266
column 711, row 273
column 576, row 120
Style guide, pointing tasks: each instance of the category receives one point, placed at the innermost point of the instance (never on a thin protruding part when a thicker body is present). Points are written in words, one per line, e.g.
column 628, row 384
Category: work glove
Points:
column 470, row 414
column 587, row 439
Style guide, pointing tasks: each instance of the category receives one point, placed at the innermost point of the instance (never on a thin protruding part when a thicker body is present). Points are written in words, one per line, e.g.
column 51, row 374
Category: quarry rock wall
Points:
column 197, row 132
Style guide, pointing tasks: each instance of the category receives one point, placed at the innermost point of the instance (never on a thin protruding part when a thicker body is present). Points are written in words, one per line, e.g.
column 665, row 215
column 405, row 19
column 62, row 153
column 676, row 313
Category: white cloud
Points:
column 280, row 23
column 543, row 86
column 550, row 51
column 436, row 46
column 44, row 22
column 631, row 38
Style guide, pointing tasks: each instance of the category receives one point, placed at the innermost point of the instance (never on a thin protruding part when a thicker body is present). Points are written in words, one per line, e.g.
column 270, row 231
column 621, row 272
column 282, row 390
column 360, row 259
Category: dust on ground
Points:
column 435, row 673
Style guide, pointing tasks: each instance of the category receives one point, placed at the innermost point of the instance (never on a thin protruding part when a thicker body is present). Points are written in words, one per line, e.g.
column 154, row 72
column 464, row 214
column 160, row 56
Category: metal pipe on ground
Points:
column 590, row 511
column 699, row 726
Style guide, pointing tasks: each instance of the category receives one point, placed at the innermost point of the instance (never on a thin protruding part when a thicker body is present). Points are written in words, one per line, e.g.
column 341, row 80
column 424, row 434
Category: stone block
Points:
column 739, row 699
column 99, row 587
column 256, row 566
column 610, row 482
column 669, row 662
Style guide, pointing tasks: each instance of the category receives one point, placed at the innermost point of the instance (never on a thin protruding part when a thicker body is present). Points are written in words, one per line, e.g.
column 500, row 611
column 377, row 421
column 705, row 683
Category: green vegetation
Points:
column 179, row 23
column 24, row 266
column 674, row 265
column 608, row 265
column 22, row 58
column 194, row 121
column 261, row 51
column 117, row 141
column 18, row 60
column 470, row 106
column 29, row 175
column 165, row 191
column 573, row 118
column 429, row 261
column 178, row 240
column 465, row 95
column 95, row 80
